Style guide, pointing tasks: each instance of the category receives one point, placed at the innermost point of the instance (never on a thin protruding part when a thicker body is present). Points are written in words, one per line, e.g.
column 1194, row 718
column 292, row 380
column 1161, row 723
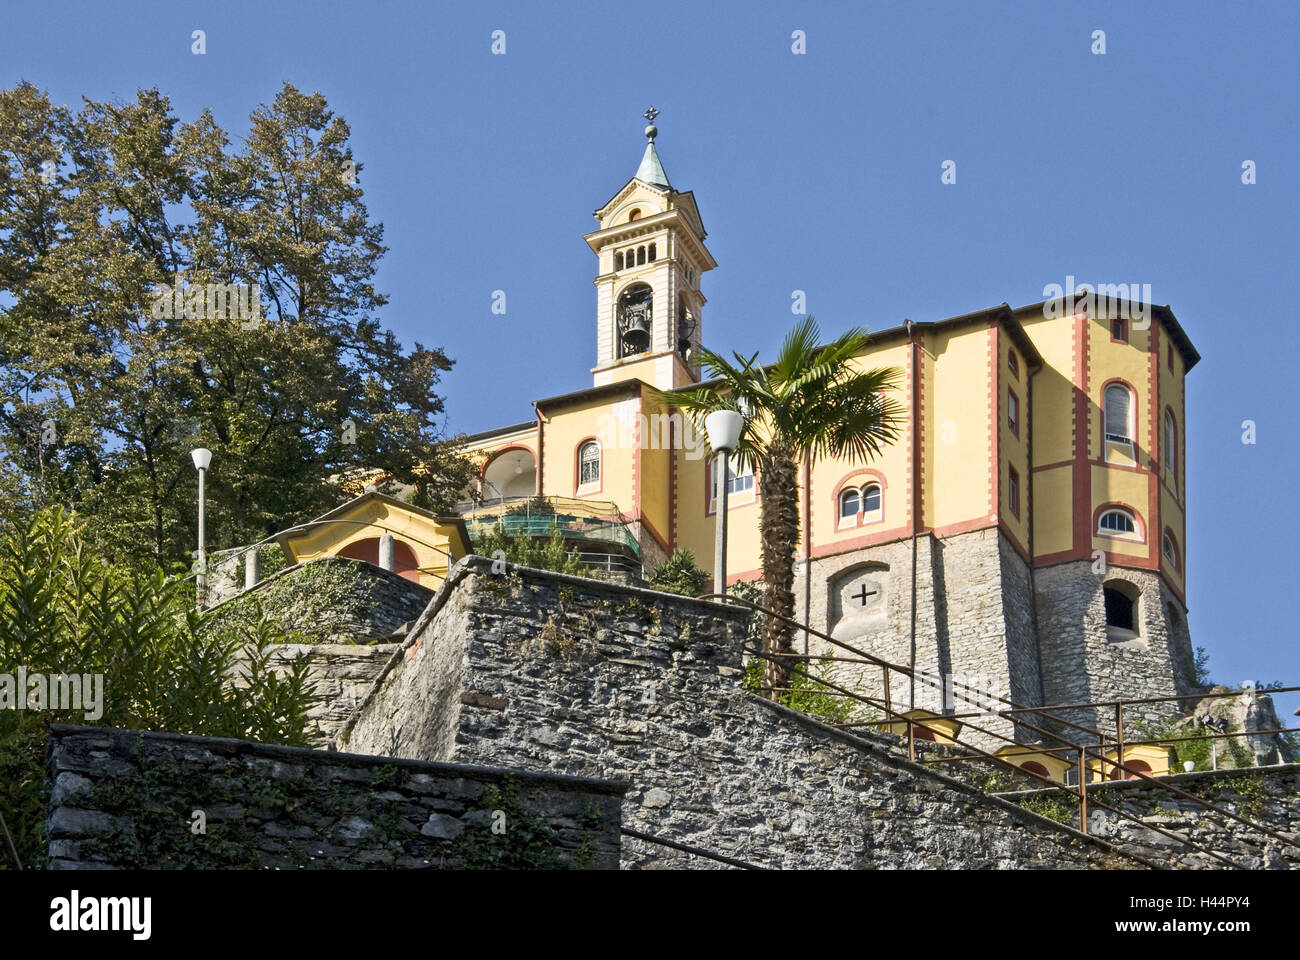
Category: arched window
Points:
column 634, row 215
column 871, row 498
column 849, row 502
column 1170, row 550
column 1013, row 364
column 640, row 255
column 1033, row 766
column 618, row 260
column 1118, row 403
column 651, row 257
column 1171, row 448
column 1116, row 522
column 589, row 464
column 1120, row 598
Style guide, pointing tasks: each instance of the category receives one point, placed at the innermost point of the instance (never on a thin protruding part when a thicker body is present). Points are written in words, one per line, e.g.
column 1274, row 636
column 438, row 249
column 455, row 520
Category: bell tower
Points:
column 650, row 258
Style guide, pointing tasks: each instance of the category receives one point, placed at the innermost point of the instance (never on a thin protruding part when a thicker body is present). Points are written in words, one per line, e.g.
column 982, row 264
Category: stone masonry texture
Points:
column 1269, row 796
column 544, row 672
column 123, row 799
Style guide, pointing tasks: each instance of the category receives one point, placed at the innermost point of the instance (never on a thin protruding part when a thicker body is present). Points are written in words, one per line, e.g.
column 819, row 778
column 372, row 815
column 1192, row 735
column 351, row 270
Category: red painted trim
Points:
column 1053, row 466
column 577, row 467
column 995, row 447
column 1153, row 434
column 916, row 435
column 541, row 450
column 654, row 532
column 674, row 443
column 965, row 526
column 1015, row 543
column 857, row 543
column 1176, row 563
column 1081, row 481
column 1110, row 328
column 636, row 457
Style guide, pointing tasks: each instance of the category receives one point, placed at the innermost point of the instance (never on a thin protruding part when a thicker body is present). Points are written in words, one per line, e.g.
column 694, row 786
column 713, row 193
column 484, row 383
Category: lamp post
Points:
column 202, row 458
column 723, row 428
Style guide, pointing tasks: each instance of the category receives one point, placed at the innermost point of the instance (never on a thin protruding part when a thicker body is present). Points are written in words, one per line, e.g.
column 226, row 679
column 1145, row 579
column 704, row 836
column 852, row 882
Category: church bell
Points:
column 637, row 334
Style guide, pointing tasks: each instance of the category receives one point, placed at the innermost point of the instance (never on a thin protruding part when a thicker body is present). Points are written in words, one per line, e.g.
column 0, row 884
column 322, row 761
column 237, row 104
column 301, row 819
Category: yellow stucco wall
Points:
column 959, row 444
column 611, row 421
column 430, row 540
column 1053, row 429
column 889, row 469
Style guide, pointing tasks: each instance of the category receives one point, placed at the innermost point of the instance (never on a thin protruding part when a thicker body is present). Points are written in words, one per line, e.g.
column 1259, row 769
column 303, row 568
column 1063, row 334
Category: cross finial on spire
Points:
column 651, row 114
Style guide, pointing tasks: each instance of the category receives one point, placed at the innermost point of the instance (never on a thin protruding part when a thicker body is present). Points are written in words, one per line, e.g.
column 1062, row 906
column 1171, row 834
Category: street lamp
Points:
column 723, row 428
column 202, row 457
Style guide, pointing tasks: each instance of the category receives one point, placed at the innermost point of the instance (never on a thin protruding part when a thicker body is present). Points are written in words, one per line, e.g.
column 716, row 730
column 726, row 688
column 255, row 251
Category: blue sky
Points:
column 818, row 172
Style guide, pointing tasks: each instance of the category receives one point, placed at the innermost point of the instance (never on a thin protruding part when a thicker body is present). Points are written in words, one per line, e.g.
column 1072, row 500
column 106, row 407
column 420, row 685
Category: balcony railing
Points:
column 579, row 520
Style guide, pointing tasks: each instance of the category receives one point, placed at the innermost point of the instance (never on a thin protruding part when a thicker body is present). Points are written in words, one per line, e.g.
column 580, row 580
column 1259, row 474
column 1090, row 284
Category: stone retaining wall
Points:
column 1266, row 795
column 543, row 671
column 124, row 799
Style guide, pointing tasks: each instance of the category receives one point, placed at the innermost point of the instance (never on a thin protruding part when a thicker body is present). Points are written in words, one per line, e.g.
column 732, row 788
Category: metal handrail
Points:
column 1083, row 749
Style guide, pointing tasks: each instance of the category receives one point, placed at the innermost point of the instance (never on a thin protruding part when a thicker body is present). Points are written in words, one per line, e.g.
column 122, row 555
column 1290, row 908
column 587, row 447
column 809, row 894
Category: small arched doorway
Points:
column 1128, row 774
column 405, row 563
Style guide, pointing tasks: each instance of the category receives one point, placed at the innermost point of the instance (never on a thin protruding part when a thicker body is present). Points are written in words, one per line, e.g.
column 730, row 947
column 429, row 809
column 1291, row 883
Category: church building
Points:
column 1028, row 525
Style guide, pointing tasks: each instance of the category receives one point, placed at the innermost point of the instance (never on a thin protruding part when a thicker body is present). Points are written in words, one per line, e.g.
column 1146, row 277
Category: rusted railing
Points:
column 1014, row 713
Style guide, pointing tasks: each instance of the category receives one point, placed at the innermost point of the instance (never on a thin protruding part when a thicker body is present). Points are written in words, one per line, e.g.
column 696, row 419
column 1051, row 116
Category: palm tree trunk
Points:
column 779, row 490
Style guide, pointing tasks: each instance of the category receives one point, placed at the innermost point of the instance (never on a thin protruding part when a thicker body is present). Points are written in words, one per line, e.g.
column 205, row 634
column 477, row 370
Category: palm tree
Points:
column 813, row 402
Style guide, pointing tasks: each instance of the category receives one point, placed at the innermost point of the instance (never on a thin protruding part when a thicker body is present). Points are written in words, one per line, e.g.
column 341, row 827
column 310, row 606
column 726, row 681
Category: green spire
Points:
column 651, row 170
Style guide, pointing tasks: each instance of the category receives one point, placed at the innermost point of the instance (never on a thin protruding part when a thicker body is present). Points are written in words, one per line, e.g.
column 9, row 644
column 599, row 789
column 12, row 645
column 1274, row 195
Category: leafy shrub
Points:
column 65, row 610
column 551, row 553
column 679, row 574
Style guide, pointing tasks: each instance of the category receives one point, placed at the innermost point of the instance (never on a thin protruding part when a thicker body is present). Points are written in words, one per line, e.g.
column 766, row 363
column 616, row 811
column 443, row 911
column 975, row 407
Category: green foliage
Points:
column 541, row 553
column 323, row 594
column 679, row 574
column 63, row 609
column 812, row 403
column 1197, row 751
column 810, row 696
column 751, row 591
column 1055, row 806
column 526, row 841
column 138, row 200
column 1249, row 789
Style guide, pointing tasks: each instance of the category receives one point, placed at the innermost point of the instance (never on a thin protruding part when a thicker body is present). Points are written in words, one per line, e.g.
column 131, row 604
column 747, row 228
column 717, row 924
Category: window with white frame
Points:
column 589, row 464
column 859, row 504
column 1117, row 523
column 850, row 503
column 1118, row 414
column 739, row 479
